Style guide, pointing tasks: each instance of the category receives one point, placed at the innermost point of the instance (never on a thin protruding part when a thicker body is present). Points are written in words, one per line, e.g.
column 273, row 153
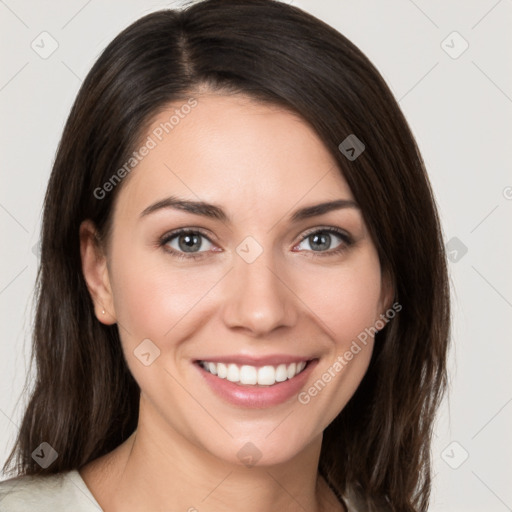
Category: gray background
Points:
column 459, row 108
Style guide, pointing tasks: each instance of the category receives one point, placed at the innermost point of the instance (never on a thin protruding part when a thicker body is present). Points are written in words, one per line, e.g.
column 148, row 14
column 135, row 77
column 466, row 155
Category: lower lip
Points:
column 257, row 396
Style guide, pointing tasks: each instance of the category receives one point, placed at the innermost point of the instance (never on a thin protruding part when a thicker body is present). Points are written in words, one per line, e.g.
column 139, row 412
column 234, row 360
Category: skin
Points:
column 259, row 163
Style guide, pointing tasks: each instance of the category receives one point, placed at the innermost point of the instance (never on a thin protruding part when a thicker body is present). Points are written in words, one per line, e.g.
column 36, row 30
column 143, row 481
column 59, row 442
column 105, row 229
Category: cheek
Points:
column 155, row 299
column 348, row 303
column 347, row 300
column 154, row 296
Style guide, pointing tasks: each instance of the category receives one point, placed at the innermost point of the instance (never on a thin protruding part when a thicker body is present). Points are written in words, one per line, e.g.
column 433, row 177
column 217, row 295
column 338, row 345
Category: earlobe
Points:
column 95, row 271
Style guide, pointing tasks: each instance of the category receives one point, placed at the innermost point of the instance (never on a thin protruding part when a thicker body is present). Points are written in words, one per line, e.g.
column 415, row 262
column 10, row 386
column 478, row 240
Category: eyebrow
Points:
column 216, row 212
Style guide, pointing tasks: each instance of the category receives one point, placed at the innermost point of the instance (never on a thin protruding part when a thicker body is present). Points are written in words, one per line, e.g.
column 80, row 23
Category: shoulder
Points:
column 47, row 493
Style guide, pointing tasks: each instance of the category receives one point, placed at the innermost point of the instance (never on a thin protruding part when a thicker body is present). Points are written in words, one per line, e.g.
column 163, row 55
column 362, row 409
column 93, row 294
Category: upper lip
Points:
column 271, row 360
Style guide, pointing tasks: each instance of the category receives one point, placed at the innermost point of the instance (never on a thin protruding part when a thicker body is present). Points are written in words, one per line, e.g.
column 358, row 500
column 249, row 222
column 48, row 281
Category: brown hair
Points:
column 85, row 401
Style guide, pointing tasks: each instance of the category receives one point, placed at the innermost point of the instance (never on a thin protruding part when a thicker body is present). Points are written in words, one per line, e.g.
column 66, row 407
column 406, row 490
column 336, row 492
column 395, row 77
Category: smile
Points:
column 248, row 375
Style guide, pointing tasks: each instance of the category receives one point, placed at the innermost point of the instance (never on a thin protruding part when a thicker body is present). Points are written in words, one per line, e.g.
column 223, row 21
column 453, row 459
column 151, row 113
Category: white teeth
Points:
column 233, row 373
column 266, row 376
column 222, row 370
column 281, row 373
column 250, row 375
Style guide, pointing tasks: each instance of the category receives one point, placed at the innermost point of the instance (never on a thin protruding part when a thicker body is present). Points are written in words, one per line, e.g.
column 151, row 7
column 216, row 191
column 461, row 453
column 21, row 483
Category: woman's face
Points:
column 260, row 285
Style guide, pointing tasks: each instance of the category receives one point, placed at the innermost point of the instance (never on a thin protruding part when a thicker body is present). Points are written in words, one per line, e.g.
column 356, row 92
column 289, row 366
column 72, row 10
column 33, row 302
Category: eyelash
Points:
column 346, row 242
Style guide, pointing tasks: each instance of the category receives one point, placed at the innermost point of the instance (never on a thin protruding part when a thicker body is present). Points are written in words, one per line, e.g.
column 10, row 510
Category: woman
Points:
column 243, row 295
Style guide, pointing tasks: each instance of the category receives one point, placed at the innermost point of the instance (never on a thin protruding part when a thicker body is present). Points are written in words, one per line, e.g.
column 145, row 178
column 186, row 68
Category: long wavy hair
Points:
column 84, row 401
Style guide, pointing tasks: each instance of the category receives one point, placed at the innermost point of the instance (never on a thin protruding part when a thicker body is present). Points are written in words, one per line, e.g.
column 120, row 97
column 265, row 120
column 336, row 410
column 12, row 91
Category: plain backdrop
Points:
column 449, row 66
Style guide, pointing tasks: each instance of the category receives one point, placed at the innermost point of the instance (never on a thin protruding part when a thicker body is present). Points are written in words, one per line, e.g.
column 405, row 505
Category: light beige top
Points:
column 58, row 492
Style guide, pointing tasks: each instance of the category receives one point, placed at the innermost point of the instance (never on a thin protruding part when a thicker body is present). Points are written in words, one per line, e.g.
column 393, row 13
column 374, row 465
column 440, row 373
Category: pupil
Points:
column 188, row 242
column 323, row 241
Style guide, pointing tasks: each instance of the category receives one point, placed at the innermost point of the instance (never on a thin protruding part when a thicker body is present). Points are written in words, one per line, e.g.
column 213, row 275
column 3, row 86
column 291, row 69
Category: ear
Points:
column 95, row 271
column 387, row 291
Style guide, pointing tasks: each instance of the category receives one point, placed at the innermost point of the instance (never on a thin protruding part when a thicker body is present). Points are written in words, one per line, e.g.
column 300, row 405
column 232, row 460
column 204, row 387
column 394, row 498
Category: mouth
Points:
column 248, row 375
column 262, row 384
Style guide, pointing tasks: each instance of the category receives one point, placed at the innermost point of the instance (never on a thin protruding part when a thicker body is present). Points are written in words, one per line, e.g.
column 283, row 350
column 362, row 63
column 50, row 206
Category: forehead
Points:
column 232, row 150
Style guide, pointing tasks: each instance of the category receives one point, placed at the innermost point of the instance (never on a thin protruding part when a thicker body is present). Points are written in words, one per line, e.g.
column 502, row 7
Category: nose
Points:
column 259, row 297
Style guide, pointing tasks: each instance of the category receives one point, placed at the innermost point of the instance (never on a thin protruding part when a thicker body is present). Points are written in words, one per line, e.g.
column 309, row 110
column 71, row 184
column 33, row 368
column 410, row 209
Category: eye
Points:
column 321, row 240
column 186, row 243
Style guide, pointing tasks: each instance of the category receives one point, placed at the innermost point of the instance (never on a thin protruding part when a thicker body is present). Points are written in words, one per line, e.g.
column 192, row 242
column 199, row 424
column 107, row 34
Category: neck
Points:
column 159, row 468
